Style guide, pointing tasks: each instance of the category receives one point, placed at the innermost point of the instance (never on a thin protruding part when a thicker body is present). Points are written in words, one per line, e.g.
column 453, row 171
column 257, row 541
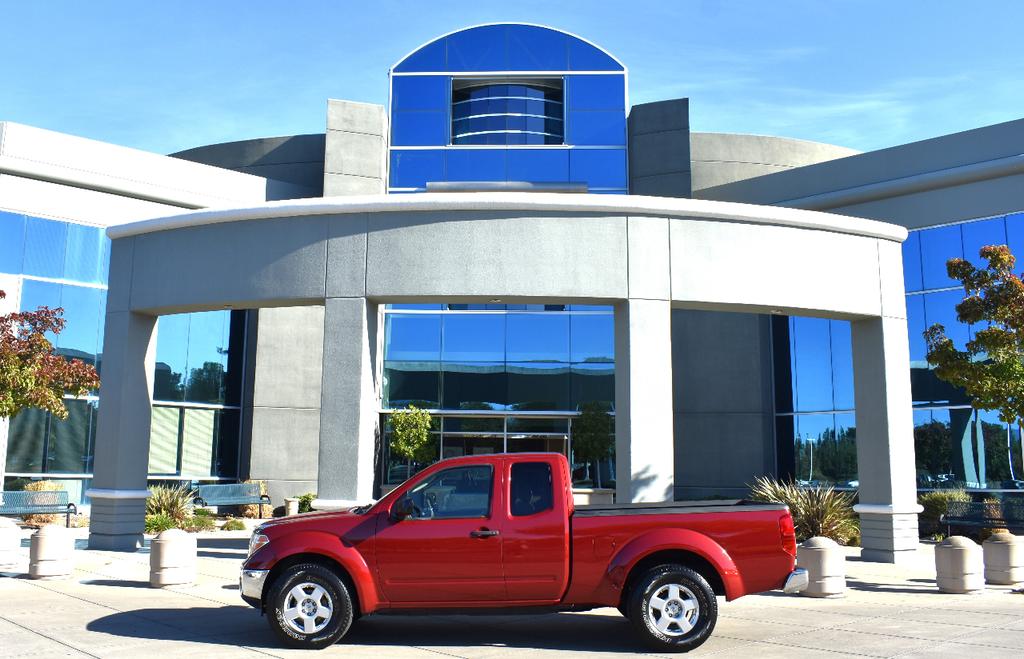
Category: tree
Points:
column 592, row 435
column 991, row 369
column 31, row 375
column 410, row 435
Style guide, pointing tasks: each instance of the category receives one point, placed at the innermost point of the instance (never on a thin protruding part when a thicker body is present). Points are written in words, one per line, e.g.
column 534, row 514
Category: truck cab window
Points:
column 453, row 493
column 532, row 488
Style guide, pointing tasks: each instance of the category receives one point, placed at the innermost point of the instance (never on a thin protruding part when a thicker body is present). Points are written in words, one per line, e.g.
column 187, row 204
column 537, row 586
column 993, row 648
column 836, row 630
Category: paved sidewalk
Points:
column 107, row 610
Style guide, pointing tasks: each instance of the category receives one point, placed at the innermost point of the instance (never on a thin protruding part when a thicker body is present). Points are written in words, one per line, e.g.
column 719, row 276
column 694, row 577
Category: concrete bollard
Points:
column 958, row 566
column 825, row 563
column 50, row 553
column 10, row 543
column 1004, row 559
column 172, row 559
column 291, row 506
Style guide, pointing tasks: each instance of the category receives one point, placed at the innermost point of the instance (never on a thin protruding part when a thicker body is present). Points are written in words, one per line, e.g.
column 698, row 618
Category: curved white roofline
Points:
column 629, row 205
column 472, row 27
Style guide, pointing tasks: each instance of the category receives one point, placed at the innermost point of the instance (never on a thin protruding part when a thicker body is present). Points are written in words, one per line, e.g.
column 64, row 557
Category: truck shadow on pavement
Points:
column 242, row 626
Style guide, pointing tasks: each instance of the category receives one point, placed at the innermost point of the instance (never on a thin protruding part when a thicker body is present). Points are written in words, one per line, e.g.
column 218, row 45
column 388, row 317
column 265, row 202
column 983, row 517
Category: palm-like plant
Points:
column 816, row 511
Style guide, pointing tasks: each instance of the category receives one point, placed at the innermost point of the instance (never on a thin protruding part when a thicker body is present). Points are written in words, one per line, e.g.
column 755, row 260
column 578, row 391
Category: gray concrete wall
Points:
column 659, row 148
column 356, row 151
column 722, row 402
column 975, row 173
column 294, row 163
column 285, row 435
column 720, row 158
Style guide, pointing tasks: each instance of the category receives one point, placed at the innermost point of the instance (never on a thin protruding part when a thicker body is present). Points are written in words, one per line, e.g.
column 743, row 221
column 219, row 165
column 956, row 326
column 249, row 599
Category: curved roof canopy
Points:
column 507, row 47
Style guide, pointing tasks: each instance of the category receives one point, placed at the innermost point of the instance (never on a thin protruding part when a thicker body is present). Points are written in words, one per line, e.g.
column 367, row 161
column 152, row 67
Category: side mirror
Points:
column 403, row 509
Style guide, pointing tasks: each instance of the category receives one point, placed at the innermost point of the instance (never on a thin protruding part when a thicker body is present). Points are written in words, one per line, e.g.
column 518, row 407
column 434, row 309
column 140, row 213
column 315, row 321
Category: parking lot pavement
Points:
column 106, row 609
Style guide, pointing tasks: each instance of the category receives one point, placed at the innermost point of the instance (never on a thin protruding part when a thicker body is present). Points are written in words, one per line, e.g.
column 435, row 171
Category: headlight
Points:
column 256, row 541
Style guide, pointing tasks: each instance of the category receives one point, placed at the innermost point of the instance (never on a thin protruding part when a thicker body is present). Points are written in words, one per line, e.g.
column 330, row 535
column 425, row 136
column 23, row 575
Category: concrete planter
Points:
column 10, row 543
column 958, row 566
column 291, row 506
column 51, row 551
column 172, row 559
column 1004, row 559
column 825, row 563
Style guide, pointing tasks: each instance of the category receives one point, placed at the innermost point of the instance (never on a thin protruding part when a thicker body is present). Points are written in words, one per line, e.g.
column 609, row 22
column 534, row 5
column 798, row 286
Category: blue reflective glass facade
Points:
column 499, row 377
column 508, row 103
column 955, row 446
column 63, row 264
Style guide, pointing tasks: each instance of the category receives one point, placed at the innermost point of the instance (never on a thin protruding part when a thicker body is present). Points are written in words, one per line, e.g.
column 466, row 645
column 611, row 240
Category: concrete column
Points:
column 885, row 440
column 348, row 404
column 644, row 448
column 121, row 461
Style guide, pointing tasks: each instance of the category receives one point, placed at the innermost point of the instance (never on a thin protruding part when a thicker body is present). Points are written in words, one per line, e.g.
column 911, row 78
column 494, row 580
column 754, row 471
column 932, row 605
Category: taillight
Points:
column 788, row 534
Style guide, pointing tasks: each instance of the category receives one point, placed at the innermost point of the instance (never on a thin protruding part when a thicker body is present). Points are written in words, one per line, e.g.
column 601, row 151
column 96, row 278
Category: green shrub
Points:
column 934, row 504
column 42, row 519
column 198, row 523
column 816, row 511
column 306, row 502
column 175, row 502
column 158, row 522
column 233, row 525
column 202, row 512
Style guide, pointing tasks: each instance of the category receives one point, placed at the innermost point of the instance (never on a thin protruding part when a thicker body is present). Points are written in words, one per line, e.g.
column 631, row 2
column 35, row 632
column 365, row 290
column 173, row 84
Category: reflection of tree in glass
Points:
column 593, row 435
column 167, row 383
column 932, row 450
column 833, row 456
column 206, row 384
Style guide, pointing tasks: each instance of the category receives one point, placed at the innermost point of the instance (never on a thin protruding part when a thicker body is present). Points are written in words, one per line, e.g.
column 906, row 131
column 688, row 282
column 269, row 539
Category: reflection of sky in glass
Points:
column 941, row 308
column 592, row 338
column 912, row 262
column 812, row 370
column 979, row 234
column 45, row 242
column 842, row 365
column 473, row 337
column 12, row 242
column 537, row 338
column 938, row 246
column 413, row 337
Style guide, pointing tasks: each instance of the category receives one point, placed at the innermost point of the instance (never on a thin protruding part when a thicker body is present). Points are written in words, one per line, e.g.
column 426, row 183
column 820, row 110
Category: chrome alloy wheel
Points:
column 307, row 608
column 673, row 610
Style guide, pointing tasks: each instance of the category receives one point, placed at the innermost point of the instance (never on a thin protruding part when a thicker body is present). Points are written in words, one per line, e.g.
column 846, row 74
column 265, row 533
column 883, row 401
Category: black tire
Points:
column 323, row 592
column 690, row 612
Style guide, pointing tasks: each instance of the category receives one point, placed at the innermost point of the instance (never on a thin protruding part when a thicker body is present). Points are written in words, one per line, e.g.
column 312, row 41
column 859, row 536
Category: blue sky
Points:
column 165, row 76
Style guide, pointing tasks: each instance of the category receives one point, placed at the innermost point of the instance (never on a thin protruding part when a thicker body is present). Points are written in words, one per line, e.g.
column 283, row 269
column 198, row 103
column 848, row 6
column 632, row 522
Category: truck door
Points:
column 535, row 534
column 449, row 550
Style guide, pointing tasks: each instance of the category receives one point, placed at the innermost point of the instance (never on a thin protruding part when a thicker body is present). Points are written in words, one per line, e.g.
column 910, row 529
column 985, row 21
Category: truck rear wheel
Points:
column 673, row 608
column 309, row 606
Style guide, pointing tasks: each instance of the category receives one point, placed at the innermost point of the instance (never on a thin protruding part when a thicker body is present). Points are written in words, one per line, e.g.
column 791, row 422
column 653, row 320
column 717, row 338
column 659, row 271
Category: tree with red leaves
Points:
column 31, row 375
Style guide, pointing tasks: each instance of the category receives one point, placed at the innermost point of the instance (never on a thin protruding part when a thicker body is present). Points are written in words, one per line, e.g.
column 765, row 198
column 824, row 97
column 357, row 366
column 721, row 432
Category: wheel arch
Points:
column 676, row 546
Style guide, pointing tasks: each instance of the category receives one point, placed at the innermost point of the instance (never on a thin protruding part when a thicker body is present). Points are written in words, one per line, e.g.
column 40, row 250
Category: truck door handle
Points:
column 483, row 533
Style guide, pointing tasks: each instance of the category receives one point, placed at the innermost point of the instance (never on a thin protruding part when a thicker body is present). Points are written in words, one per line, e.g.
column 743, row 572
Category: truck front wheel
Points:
column 308, row 606
column 673, row 608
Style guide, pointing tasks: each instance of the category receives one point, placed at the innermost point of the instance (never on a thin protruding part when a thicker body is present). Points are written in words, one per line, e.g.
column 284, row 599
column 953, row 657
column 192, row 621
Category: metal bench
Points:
column 237, row 494
column 37, row 503
column 1004, row 515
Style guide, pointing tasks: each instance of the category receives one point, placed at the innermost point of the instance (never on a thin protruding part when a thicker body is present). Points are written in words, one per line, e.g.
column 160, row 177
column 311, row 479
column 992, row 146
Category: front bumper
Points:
column 796, row 581
column 250, row 582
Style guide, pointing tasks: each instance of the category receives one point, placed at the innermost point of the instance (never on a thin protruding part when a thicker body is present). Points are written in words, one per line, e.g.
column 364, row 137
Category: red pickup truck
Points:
column 501, row 531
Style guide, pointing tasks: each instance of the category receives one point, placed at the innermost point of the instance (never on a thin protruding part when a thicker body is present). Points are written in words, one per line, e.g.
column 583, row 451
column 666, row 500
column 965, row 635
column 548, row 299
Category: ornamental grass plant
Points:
column 42, row 519
column 817, row 511
column 175, row 502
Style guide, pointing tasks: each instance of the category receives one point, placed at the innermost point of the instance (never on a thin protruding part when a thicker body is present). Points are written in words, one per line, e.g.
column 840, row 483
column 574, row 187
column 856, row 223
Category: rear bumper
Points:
column 796, row 581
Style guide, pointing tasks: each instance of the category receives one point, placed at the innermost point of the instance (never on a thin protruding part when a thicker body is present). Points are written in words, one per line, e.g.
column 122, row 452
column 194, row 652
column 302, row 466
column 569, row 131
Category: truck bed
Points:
column 669, row 507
